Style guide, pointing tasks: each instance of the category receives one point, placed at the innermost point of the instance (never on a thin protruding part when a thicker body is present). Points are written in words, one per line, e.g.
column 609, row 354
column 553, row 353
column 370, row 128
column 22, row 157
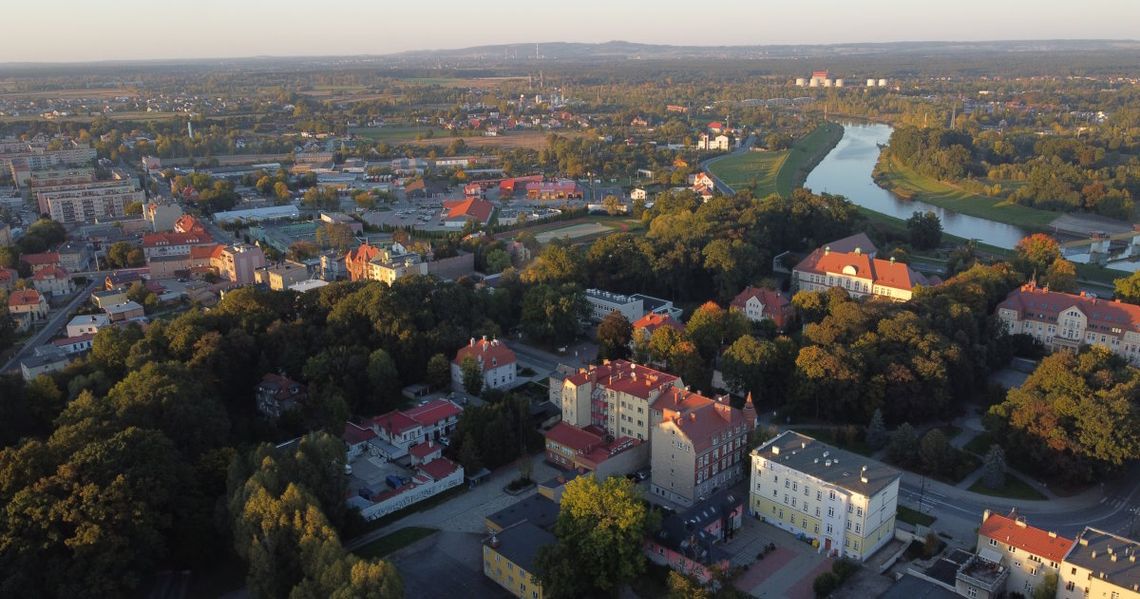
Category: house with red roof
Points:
column 553, row 190
column 587, row 450
column 188, row 224
column 700, row 445
column 1029, row 553
column 1068, row 321
column 40, row 261
column 653, row 321
column 472, row 209
column 8, row 278
column 27, row 306
column 393, row 434
column 760, row 303
column 859, row 273
column 53, row 281
column 277, row 394
column 495, row 360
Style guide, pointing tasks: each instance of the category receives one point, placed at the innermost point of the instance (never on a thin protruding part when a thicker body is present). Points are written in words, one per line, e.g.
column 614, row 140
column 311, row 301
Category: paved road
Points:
column 54, row 323
column 721, row 186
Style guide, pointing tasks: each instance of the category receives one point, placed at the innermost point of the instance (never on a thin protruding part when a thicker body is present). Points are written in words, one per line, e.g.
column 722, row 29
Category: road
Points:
column 723, row 188
column 54, row 323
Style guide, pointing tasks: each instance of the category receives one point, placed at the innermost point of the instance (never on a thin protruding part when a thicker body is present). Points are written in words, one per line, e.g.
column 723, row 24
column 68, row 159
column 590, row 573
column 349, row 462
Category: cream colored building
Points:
column 281, row 276
column 858, row 272
column 1100, row 565
column 509, row 558
column 846, row 502
column 1068, row 321
column 616, row 396
column 1028, row 553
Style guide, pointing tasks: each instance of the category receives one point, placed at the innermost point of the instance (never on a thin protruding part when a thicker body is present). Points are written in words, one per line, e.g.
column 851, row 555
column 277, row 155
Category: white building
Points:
column 846, row 502
column 87, row 324
column 632, row 307
column 495, row 360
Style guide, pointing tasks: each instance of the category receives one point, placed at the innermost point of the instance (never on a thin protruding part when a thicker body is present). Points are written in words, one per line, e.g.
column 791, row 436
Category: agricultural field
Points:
column 756, row 170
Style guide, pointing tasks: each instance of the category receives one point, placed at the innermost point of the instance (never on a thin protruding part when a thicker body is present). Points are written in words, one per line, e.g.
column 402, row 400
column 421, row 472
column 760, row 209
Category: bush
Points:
column 843, row 569
column 825, row 584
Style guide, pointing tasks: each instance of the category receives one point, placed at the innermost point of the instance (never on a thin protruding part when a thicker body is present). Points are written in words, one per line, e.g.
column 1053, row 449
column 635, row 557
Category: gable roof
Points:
column 395, row 422
column 1038, row 303
column 53, row 272
column 40, row 259
column 1014, row 531
column 168, row 238
column 851, row 243
column 25, row 297
column 434, row 411
column 653, row 321
column 354, row 434
column 769, row 297
column 885, row 273
column 484, row 352
column 572, row 437
column 624, row 376
column 474, row 208
column 699, row 418
column 439, row 468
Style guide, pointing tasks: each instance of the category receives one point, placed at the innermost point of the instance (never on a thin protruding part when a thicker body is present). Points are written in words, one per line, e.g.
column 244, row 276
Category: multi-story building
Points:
column 162, row 217
column 585, row 450
column 860, row 274
column 41, row 261
column 396, row 431
column 57, row 177
column 632, row 307
column 168, row 243
column 1100, row 564
column 87, row 324
column 688, row 541
column 5, row 235
column 75, row 256
column 8, row 278
column 1028, row 553
column 509, row 558
column 26, row 307
column 1068, row 321
column 237, row 262
column 282, row 275
column 616, row 397
column 52, row 281
column 847, row 502
column 761, row 303
column 699, row 445
column 31, row 157
column 495, row 360
column 373, row 263
column 89, row 202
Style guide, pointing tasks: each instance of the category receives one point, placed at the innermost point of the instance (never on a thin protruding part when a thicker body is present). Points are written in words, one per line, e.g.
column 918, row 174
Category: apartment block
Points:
column 282, row 275
column 699, row 445
column 1100, row 564
column 385, row 264
column 89, row 202
column 844, row 501
column 237, row 262
column 632, row 307
column 616, row 397
column 1028, row 553
column 1066, row 321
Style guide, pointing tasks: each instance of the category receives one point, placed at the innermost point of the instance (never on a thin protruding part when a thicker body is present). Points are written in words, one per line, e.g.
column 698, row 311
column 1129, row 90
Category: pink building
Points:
column 687, row 541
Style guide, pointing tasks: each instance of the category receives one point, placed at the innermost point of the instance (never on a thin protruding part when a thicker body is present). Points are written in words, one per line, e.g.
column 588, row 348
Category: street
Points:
column 56, row 322
column 720, row 185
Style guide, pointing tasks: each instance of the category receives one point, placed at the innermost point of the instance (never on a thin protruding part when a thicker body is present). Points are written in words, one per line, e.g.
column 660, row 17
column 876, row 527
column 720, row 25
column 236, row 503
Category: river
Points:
column 846, row 171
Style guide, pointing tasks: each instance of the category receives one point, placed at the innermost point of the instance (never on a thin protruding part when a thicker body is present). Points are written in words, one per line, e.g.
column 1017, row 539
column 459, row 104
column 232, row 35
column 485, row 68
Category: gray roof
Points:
column 520, row 544
column 1124, row 572
column 849, row 244
column 912, row 587
column 838, row 467
column 536, row 509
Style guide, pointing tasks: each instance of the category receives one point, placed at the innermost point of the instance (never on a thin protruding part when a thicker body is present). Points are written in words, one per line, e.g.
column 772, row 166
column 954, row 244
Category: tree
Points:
column 935, row 452
column 1076, row 415
column 925, row 229
column 614, row 336
column 553, row 313
column 122, row 254
column 685, row 587
column 903, row 447
column 1061, row 276
column 876, row 431
column 611, row 205
column 1128, row 288
column 556, row 263
column 337, row 236
column 825, row 584
column 383, row 381
column 1048, row 587
column 759, row 367
column 711, row 326
column 281, row 192
column 993, row 473
column 1038, row 251
column 472, row 375
column 438, row 372
column 497, row 260
column 599, row 531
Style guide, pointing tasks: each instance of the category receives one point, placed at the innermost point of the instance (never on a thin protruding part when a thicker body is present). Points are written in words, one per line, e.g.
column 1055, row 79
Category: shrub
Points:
column 825, row 584
column 844, row 569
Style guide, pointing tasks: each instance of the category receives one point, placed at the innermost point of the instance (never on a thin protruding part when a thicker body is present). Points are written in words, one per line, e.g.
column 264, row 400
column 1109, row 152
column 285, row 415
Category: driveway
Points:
column 446, row 564
column 789, row 571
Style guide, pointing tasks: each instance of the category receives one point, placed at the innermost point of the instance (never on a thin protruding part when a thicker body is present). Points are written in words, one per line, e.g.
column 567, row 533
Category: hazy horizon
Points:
column 211, row 29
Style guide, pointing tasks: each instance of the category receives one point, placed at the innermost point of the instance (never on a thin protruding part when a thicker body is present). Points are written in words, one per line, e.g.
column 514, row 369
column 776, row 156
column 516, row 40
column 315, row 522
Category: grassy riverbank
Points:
column 779, row 172
column 908, row 184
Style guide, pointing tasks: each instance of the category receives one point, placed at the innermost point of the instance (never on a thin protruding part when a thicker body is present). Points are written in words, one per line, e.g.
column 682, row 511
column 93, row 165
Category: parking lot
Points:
column 371, row 472
column 788, row 571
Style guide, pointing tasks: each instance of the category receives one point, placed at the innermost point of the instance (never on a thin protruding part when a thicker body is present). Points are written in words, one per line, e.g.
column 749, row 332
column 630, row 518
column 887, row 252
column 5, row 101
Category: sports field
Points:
column 573, row 232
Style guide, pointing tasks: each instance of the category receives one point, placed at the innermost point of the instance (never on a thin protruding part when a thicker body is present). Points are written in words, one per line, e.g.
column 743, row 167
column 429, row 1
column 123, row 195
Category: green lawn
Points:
column 910, row 184
column 1014, row 488
column 980, row 444
column 914, row 517
column 756, row 170
column 805, row 155
column 395, row 541
column 396, row 134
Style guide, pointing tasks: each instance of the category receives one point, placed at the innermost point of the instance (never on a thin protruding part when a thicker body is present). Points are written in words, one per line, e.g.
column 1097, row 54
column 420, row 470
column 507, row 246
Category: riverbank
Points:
column 907, row 184
column 780, row 172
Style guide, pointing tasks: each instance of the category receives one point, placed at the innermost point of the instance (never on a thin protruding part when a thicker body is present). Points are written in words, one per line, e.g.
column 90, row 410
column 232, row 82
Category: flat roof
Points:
column 832, row 465
column 536, row 509
column 1108, row 556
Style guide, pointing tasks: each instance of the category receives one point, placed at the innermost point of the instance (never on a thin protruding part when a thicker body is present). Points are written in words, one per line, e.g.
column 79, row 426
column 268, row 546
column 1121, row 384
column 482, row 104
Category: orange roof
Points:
column 486, row 351
column 625, row 377
column 434, row 411
column 54, row 272
column 439, row 468
column 1017, row 533
column 168, row 238
column 886, row 273
column 25, row 297
column 40, row 258
column 653, row 321
column 7, row 275
column 698, row 417
column 776, row 304
column 475, row 208
column 188, row 224
column 200, row 252
column 572, row 437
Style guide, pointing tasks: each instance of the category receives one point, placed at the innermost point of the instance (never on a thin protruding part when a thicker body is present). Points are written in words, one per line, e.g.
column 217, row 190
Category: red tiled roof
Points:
column 25, row 297
column 433, row 411
column 1036, row 303
column 40, row 259
column 188, row 224
column 282, row 387
column 354, row 434
column 625, row 377
column 700, row 418
column 54, row 272
column 776, row 304
column 395, row 422
column 1038, row 542
column 572, row 437
column 202, row 252
column 484, row 351
column 885, row 273
column 8, row 275
column 475, row 208
column 424, row 449
column 439, row 468
column 653, row 321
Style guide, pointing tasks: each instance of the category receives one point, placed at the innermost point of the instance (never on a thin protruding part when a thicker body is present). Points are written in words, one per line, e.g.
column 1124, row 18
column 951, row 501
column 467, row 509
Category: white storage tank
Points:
column 870, row 83
column 814, row 82
column 827, row 82
column 882, row 83
column 801, row 82
column 838, row 83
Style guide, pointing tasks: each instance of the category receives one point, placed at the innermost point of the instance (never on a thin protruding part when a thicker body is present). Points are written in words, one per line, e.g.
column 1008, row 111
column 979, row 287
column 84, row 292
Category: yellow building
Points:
column 846, row 502
column 509, row 556
column 1100, row 565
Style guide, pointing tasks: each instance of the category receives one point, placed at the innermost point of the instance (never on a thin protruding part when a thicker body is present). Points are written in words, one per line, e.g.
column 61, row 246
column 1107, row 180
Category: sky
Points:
column 87, row 30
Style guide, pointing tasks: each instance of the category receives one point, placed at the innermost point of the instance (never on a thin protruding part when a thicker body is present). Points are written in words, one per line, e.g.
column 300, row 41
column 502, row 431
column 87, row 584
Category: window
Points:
column 856, row 527
column 829, row 529
column 819, row 495
column 787, row 484
column 859, row 512
column 993, row 542
column 831, row 512
column 972, row 592
column 1012, row 549
column 832, row 495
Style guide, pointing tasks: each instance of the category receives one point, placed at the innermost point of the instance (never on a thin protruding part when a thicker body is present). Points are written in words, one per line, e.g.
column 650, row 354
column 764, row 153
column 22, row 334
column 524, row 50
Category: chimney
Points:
column 1020, row 523
column 826, row 250
column 858, row 251
column 494, row 542
column 471, row 343
column 1052, row 535
column 827, row 463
